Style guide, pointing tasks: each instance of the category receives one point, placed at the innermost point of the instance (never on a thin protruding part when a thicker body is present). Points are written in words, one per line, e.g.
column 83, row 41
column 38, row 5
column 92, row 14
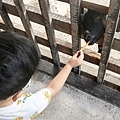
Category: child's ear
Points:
column 17, row 95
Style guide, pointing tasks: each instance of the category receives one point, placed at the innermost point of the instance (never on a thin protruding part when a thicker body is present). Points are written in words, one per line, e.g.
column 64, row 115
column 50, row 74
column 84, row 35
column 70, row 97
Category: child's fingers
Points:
column 79, row 53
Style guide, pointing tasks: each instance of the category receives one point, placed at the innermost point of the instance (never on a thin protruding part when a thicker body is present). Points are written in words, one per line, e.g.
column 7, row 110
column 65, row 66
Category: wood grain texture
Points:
column 66, row 47
column 45, row 9
column 5, row 17
column 26, row 22
column 75, row 31
column 58, row 20
column 112, row 20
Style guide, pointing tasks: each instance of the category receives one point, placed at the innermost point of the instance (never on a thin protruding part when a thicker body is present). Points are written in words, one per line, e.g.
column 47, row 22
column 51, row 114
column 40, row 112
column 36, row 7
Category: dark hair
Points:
column 18, row 61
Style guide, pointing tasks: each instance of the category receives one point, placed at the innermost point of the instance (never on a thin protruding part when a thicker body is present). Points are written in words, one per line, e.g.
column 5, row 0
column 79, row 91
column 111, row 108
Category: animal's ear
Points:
column 105, row 20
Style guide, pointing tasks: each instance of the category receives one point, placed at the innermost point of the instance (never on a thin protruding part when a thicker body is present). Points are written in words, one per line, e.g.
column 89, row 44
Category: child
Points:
column 18, row 61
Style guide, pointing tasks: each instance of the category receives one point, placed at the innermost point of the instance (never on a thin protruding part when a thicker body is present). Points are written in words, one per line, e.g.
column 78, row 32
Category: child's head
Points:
column 18, row 61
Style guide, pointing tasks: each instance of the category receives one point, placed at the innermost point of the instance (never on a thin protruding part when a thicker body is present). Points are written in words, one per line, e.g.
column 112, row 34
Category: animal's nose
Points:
column 89, row 37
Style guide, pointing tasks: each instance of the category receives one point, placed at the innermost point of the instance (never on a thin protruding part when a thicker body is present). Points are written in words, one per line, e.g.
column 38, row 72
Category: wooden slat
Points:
column 116, row 44
column 45, row 9
column 26, row 23
column 5, row 17
column 83, row 84
column 35, row 16
column 75, row 32
column 93, row 5
column 118, row 27
column 66, row 48
column 58, row 20
column 113, row 15
column 90, row 56
column 111, row 79
column 74, row 7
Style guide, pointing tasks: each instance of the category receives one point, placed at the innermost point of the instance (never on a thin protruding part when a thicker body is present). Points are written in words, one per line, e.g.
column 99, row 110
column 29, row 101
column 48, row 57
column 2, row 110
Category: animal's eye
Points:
column 98, row 17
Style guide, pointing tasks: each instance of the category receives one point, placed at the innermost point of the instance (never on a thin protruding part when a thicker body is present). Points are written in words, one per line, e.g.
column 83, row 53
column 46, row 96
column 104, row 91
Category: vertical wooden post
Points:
column 75, row 27
column 112, row 21
column 26, row 22
column 45, row 9
column 5, row 17
column 118, row 27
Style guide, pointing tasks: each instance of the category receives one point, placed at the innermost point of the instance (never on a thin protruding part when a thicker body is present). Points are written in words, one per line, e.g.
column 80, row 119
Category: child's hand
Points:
column 57, row 83
column 76, row 60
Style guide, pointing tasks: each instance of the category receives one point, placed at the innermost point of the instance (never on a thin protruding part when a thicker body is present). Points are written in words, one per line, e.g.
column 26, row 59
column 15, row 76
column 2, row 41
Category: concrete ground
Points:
column 73, row 104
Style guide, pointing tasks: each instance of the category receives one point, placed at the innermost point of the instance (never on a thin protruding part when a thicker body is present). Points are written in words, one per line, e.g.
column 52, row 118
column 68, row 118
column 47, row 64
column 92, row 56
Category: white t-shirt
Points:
column 28, row 106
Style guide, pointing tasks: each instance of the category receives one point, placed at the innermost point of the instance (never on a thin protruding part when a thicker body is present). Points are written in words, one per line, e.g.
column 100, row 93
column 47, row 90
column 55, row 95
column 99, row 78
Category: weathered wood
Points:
column 35, row 16
column 66, row 48
column 58, row 20
column 113, row 85
column 83, row 84
column 5, row 17
column 118, row 27
column 45, row 9
column 75, row 30
column 112, row 21
column 111, row 79
column 26, row 23
column 116, row 44
column 45, row 42
column 93, row 5
column 90, row 56
column 74, row 7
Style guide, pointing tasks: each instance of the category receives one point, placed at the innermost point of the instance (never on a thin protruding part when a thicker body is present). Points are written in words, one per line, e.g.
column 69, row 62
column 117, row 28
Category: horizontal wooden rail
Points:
column 58, row 20
column 93, row 5
column 5, row 17
column 90, row 56
column 111, row 84
column 111, row 79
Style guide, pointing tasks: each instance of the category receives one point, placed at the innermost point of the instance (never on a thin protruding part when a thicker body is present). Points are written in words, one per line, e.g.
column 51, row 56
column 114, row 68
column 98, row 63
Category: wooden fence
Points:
column 98, row 85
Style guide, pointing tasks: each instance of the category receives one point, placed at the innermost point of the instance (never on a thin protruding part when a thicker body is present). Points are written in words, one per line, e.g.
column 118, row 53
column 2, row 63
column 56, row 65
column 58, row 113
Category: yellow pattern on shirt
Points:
column 34, row 115
column 19, row 118
column 47, row 95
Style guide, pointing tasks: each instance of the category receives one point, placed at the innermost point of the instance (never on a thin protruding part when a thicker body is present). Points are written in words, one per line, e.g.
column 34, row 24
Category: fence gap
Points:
column 112, row 21
column 26, row 22
column 5, row 17
column 45, row 10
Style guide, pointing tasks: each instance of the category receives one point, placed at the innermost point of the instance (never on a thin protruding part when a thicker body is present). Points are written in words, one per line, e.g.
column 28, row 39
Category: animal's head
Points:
column 93, row 23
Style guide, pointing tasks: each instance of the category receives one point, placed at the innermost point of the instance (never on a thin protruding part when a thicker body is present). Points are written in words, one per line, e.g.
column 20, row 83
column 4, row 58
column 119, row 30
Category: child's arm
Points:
column 57, row 83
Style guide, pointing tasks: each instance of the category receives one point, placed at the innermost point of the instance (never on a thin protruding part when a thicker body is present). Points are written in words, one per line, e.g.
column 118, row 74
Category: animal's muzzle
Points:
column 89, row 37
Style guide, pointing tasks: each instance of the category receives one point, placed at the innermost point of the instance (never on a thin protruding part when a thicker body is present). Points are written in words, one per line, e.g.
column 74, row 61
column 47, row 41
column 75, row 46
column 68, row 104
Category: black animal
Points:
column 93, row 23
